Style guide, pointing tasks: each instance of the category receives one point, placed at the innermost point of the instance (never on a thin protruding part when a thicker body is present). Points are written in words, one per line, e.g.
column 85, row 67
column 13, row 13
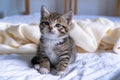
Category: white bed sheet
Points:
column 105, row 65
column 89, row 66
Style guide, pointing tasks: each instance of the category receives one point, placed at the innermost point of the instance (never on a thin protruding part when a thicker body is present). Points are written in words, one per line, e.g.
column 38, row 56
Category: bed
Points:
column 99, row 65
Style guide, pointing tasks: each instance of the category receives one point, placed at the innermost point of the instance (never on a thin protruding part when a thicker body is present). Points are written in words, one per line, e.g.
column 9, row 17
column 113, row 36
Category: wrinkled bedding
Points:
column 100, row 33
column 89, row 66
column 100, row 65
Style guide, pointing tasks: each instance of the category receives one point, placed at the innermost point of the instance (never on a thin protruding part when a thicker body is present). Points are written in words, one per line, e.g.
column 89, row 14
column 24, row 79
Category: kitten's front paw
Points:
column 44, row 70
column 60, row 73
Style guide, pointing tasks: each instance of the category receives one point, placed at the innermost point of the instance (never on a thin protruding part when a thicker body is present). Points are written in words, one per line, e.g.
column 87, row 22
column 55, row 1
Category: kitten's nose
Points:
column 50, row 28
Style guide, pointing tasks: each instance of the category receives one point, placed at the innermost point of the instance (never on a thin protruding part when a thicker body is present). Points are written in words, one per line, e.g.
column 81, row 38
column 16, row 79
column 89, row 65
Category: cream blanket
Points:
column 89, row 35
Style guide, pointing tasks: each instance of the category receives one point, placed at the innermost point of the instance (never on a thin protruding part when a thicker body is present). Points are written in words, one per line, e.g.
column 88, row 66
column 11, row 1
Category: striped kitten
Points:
column 56, row 48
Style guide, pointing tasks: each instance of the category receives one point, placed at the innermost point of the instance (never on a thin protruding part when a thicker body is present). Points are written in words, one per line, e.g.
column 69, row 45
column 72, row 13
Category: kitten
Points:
column 56, row 48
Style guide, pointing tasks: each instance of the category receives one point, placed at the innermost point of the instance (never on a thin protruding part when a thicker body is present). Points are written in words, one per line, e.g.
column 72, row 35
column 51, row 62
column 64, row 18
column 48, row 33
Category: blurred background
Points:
column 83, row 7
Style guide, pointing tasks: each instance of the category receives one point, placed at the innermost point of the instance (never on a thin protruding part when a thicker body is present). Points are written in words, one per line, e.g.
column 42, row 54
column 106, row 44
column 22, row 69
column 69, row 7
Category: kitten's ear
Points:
column 44, row 12
column 68, row 16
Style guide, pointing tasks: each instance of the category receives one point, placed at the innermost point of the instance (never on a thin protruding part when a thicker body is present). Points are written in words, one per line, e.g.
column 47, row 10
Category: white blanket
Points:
column 89, row 66
column 89, row 35
column 103, row 65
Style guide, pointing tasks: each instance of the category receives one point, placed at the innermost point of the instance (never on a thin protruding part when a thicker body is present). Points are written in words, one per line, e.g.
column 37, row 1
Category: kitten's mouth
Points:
column 50, row 32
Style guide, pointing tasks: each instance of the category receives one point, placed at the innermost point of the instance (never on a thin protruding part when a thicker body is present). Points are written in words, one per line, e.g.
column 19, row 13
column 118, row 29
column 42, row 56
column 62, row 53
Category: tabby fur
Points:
column 56, row 48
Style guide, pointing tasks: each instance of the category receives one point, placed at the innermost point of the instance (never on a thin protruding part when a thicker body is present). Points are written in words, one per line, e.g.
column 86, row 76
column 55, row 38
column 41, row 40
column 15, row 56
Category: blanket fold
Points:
column 89, row 35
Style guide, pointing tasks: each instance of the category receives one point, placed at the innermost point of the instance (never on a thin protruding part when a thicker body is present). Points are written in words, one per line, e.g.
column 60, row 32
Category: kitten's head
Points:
column 54, row 25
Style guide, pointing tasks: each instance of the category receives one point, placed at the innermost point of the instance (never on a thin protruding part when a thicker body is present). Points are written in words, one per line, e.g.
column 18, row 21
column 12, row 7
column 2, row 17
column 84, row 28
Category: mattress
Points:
column 100, row 65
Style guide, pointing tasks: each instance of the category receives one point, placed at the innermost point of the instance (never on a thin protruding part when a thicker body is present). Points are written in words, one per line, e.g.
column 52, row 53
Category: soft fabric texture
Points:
column 89, row 66
column 89, row 35
column 18, row 38
column 103, row 65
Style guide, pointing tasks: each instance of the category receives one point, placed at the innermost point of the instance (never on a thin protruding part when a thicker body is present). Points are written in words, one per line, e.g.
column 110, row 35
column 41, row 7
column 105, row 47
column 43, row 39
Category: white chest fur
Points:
column 49, row 44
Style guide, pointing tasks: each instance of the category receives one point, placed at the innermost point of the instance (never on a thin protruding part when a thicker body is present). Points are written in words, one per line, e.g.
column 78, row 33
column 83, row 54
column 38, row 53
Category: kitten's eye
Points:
column 58, row 25
column 45, row 23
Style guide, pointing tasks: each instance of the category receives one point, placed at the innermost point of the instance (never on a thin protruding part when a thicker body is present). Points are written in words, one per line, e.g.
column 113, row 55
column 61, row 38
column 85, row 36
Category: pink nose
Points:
column 50, row 31
column 50, row 28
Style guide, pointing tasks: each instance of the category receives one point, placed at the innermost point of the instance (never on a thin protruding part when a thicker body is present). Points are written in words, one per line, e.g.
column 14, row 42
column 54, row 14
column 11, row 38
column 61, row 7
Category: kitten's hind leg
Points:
column 41, row 64
column 35, row 62
column 44, row 65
